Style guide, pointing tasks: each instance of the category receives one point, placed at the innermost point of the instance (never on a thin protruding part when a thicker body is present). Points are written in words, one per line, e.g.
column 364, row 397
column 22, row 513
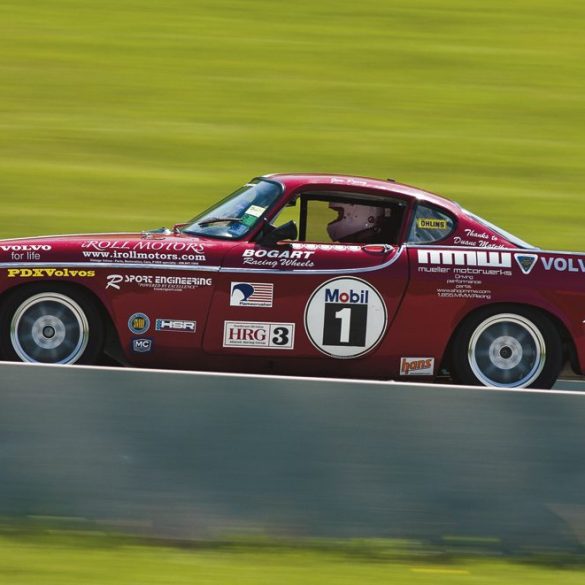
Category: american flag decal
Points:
column 251, row 294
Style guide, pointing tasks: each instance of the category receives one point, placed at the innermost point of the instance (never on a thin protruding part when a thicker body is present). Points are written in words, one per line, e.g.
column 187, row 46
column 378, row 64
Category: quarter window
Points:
column 430, row 225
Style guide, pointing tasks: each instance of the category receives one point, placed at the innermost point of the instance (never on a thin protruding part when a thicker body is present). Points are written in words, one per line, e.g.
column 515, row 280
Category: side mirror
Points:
column 286, row 231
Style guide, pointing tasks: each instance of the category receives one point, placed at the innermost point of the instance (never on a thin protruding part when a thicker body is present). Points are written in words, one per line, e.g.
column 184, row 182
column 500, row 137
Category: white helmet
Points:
column 355, row 223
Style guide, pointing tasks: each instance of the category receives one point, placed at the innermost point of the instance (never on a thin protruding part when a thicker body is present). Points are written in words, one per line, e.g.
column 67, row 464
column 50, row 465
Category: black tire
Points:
column 50, row 323
column 507, row 347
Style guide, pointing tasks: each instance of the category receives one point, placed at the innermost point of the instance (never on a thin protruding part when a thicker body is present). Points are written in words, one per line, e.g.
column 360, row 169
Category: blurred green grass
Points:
column 122, row 114
column 85, row 559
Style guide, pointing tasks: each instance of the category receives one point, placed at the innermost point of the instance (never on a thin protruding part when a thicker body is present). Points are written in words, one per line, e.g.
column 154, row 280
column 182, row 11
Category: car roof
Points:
column 293, row 181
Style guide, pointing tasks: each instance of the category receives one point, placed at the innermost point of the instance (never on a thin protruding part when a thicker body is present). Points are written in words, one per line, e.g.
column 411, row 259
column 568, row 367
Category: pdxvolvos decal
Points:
column 48, row 272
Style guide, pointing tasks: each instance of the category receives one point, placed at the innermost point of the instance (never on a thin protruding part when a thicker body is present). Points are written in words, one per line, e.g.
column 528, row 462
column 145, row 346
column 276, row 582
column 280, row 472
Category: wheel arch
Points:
column 112, row 346
column 569, row 349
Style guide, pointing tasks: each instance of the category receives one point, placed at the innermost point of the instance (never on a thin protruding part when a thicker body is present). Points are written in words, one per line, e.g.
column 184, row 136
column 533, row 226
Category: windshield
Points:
column 238, row 213
column 507, row 235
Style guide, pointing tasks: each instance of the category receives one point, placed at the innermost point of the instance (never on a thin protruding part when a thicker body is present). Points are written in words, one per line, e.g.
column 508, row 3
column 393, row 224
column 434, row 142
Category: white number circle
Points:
column 345, row 317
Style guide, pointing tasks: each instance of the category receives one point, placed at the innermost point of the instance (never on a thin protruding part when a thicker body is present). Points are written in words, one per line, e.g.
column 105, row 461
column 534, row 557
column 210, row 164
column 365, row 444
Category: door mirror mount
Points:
column 286, row 231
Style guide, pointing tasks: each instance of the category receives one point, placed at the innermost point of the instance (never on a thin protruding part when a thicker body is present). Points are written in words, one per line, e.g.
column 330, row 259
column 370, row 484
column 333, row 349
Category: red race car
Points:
column 316, row 275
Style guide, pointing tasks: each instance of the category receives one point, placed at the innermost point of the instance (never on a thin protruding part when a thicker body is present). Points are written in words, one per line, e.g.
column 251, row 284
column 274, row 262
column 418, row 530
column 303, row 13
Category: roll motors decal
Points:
column 345, row 317
column 143, row 251
column 258, row 334
column 251, row 294
column 417, row 366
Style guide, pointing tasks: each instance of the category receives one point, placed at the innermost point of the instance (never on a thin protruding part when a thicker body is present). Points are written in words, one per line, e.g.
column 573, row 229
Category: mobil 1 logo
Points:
column 345, row 317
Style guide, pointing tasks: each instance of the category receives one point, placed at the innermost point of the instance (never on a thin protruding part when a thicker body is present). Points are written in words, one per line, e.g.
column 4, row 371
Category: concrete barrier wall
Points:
column 202, row 456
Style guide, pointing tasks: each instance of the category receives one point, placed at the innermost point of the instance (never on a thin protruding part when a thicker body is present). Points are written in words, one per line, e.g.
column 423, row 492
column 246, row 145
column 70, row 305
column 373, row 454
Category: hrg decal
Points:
column 251, row 294
column 345, row 317
column 139, row 323
column 417, row 366
column 256, row 334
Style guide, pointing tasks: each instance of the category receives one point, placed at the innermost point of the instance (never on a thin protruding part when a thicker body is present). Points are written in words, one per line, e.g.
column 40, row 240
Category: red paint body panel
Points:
column 305, row 308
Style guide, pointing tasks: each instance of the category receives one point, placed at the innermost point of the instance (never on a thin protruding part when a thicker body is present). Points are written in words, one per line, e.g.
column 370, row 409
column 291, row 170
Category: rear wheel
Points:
column 50, row 324
column 514, row 348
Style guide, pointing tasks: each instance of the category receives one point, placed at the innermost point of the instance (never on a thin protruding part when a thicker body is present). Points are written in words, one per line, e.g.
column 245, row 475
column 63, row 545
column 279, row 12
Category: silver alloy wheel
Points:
column 49, row 328
column 507, row 350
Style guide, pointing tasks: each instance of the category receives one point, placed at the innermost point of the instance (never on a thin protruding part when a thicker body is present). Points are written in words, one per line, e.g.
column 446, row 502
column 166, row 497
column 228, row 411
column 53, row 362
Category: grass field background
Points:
column 93, row 560
column 127, row 114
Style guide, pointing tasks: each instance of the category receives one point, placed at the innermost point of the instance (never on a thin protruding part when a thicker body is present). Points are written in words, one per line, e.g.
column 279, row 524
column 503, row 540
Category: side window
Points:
column 345, row 218
column 430, row 225
column 351, row 220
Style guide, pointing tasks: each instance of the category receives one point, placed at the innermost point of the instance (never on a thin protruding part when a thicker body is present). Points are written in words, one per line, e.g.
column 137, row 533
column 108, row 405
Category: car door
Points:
column 305, row 301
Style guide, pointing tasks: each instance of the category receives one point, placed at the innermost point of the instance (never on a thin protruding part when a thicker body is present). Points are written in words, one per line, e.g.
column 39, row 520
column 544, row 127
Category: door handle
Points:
column 377, row 248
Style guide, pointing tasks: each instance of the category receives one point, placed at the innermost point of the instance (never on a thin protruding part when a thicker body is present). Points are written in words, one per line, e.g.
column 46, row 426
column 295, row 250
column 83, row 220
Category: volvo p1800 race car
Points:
column 316, row 275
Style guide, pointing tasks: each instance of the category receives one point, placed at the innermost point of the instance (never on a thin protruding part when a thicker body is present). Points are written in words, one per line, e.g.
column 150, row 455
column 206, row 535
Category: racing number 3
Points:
column 345, row 324
column 281, row 336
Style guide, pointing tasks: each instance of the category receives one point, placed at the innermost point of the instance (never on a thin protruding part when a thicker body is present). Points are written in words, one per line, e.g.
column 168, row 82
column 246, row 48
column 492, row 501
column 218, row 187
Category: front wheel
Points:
column 516, row 348
column 50, row 324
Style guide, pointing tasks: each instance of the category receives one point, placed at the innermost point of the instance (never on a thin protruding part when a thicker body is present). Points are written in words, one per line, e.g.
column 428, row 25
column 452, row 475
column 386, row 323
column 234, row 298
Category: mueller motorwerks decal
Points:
column 480, row 261
column 464, row 271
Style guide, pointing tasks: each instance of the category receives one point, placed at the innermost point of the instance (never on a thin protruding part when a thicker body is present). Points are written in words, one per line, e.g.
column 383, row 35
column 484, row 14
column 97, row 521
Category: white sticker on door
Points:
column 345, row 317
column 258, row 334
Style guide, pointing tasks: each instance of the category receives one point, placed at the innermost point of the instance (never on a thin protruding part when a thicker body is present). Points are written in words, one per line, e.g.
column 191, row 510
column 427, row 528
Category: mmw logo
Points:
column 465, row 258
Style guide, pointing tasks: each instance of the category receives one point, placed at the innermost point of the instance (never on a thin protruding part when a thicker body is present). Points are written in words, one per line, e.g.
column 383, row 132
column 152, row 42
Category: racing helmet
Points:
column 355, row 223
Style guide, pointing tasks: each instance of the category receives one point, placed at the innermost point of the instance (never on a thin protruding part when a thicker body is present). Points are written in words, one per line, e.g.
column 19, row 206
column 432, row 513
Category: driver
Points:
column 357, row 223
